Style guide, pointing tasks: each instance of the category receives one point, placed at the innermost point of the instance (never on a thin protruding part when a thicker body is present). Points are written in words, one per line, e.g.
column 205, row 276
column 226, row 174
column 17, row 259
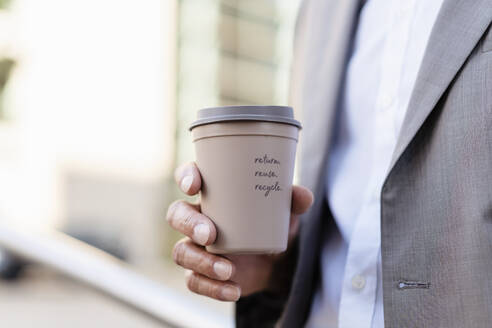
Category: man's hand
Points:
column 224, row 278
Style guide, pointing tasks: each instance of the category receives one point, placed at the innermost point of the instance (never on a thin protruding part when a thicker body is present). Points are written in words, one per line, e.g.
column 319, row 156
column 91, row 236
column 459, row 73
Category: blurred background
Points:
column 95, row 101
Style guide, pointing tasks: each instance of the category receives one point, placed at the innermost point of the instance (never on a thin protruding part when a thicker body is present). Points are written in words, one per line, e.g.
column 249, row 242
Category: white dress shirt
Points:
column 389, row 46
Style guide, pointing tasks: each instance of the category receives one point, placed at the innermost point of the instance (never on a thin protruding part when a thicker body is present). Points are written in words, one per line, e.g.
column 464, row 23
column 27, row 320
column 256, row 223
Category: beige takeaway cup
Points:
column 246, row 157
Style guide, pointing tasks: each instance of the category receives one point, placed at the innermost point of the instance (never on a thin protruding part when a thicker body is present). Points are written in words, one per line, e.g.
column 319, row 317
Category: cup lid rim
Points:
column 269, row 113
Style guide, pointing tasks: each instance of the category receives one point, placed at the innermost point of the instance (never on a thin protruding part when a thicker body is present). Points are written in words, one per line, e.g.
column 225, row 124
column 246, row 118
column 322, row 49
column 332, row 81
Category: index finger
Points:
column 188, row 178
column 187, row 219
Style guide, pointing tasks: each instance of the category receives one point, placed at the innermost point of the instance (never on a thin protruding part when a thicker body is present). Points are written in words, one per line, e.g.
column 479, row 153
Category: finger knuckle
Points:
column 190, row 220
column 171, row 211
column 178, row 252
column 205, row 264
column 216, row 291
column 192, row 282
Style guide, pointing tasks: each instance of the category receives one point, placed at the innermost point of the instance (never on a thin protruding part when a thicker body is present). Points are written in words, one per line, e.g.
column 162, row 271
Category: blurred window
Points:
column 231, row 52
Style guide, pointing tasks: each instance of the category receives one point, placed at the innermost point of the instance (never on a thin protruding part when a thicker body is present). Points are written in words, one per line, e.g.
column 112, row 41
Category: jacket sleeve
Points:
column 263, row 309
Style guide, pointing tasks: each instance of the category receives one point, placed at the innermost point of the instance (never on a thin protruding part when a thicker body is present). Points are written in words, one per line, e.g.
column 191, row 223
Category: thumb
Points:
column 302, row 199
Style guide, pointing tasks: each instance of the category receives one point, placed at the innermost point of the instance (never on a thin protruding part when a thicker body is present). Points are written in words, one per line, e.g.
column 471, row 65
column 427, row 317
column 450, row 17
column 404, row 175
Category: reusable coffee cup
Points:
column 246, row 156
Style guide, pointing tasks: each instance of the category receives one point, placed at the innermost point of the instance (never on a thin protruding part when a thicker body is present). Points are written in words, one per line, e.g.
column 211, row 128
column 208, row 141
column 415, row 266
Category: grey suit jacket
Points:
column 436, row 202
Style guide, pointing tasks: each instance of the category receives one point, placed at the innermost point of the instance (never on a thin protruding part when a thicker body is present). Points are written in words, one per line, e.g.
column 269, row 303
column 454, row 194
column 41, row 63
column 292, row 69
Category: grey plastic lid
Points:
column 279, row 114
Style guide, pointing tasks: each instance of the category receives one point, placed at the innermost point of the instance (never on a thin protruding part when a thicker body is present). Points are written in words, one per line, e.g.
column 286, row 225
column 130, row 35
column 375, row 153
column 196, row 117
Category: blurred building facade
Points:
column 231, row 52
column 94, row 114
column 87, row 135
column 96, row 98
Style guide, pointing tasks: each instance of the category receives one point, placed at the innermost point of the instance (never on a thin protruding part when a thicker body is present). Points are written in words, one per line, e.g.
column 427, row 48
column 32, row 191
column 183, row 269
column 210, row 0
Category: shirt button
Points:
column 358, row 282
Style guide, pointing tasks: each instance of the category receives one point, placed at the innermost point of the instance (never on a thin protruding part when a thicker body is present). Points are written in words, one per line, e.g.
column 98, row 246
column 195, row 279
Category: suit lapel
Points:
column 459, row 26
column 323, row 36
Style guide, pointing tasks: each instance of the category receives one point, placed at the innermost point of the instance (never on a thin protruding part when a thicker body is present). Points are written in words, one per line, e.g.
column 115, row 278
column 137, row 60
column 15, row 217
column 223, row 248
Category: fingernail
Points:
column 223, row 270
column 201, row 232
column 231, row 293
column 186, row 183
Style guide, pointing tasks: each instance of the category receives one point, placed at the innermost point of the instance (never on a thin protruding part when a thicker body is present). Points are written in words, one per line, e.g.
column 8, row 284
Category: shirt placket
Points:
column 360, row 277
